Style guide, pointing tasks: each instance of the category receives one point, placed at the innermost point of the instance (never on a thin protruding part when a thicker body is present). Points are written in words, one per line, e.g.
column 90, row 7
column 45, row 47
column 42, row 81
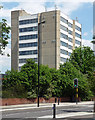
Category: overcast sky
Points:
column 82, row 9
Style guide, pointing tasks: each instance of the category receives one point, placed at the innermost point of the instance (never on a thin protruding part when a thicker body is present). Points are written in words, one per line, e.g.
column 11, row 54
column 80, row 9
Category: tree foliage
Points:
column 83, row 59
column 52, row 82
column 69, row 72
column 4, row 33
column 31, row 71
column 45, row 82
column 12, row 86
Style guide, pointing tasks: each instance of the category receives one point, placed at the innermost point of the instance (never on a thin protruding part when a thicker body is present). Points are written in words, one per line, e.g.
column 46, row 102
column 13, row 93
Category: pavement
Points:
column 47, row 104
column 44, row 105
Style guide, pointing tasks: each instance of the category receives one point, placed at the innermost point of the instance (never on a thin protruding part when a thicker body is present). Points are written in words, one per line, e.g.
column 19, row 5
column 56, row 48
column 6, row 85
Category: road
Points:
column 72, row 111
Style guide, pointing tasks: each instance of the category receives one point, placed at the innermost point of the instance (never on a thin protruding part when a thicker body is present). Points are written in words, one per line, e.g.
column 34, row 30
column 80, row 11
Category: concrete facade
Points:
column 49, row 36
column 14, row 39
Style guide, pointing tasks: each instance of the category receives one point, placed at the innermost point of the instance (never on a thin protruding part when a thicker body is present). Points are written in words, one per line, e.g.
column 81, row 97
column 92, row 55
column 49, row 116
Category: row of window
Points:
column 24, row 60
column 70, row 47
column 66, row 37
column 63, row 36
column 77, row 42
column 77, row 35
column 64, row 28
column 65, row 52
column 28, row 21
column 22, row 45
column 77, row 28
column 70, row 25
column 66, row 21
column 70, row 32
column 63, row 20
column 28, row 29
column 70, row 39
column 30, row 52
column 63, row 59
column 65, row 44
column 26, row 37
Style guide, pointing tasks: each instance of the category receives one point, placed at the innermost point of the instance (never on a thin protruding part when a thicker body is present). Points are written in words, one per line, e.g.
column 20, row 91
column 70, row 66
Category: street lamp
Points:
column 38, row 66
column 39, row 29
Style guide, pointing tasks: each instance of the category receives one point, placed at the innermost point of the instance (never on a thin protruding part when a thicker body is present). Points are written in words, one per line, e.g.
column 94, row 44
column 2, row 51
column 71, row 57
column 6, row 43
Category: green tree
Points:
column 91, row 80
column 68, row 73
column 45, row 88
column 23, row 83
column 31, row 71
column 56, row 82
column 13, row 85
column 83, row 59
column 4, row 34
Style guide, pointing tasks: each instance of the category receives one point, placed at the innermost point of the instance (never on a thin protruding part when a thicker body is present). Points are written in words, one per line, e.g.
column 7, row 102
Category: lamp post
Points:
column 39, row 30
column 38, row 62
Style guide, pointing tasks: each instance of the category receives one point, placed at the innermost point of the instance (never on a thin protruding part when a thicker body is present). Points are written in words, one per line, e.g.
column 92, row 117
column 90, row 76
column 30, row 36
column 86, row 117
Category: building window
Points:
column 19, row 68
column 77, row 42
column 69, row 24
column 30, row 52
column 70, row 39
column 28, row 29
column 63, row 51
column 63, row 44
column 63, row 59
column 29, row 21
column 77, row 28
column 70, row 47
column 63, row 20
column 63, row 36
column 22, row 45
column 24, row 60
column 26, row 37
column 70, row 32
column 64, row 28
column 77, row 35
column 69, row 53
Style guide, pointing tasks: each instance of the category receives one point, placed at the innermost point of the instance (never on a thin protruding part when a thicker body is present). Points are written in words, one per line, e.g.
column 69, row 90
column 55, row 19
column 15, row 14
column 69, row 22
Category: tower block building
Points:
column 52, row 35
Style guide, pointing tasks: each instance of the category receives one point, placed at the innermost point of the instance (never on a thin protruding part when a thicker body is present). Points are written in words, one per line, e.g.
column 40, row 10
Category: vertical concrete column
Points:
column 14, row 39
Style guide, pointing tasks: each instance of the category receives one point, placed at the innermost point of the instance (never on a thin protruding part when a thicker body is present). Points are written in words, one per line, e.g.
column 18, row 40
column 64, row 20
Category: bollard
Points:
column 54, row 110
column 58, row 101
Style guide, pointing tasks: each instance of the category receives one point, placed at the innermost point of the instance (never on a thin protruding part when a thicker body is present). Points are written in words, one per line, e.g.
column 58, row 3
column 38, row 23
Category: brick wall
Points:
column 16, row 101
